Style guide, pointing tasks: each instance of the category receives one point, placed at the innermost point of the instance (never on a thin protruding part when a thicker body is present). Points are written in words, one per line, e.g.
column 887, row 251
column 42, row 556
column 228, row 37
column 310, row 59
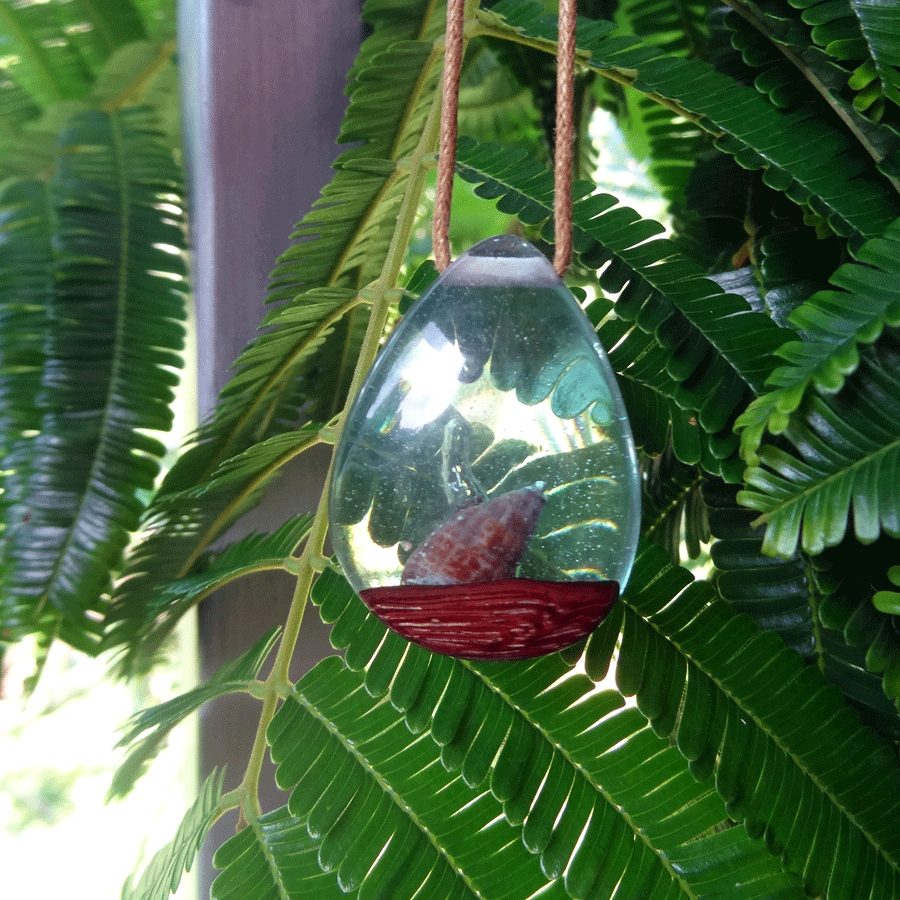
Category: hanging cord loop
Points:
column 564, row 138
column 440, row 228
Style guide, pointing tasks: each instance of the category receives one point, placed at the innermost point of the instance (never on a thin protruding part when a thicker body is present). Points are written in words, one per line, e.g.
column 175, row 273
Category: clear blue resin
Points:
column 493, row 381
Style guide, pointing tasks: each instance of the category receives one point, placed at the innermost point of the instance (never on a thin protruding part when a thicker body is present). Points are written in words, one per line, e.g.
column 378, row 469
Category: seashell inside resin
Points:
column 485, row 499
column 482, row 542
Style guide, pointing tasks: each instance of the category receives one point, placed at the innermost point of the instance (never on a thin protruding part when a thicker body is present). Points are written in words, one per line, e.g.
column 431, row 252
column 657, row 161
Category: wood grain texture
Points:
column 513, row 618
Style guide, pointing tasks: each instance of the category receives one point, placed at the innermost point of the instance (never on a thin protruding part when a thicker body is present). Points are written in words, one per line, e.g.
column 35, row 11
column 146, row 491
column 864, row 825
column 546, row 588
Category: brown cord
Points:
column 565, row 137
column 440, row 229
column 564, row 140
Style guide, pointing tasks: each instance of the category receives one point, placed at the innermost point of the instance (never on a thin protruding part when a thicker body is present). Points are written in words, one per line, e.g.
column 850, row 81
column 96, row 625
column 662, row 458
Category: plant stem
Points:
column 626, row 77
column 420, row 161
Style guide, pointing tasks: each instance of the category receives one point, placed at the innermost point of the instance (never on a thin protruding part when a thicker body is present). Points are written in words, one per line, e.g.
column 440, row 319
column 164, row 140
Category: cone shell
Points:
column 479, row 543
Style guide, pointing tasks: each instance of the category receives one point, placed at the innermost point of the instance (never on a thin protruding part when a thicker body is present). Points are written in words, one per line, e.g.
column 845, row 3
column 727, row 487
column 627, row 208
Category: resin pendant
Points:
column 485, row 500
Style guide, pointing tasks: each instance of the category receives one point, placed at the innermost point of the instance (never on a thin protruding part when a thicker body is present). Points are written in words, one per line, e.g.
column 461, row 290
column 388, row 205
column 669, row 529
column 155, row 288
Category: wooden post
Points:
column 263, row 95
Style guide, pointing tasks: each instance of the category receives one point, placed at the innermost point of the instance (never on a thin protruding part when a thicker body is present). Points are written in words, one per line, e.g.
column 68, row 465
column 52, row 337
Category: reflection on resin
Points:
column 489, row 449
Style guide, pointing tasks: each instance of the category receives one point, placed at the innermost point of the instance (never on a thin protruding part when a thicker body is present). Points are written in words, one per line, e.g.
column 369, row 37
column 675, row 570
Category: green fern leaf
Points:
column 775, row 593
column 115, row 332
column 609, row 232
column 177, row 530
column 863, row 635
column 97, row 28
column 27, row 260
column 158, row 16
column 274, row 856
column 493, row 104
column 672, row 142
column 559, row 758
column 834, row 324
column 254, row 553
column 163, row 873
column 143, row 72
column 672, row 506
column 719, row 349
column 362, row 782
column 768, row 728
column 355, row 823
column 649, row 391
column 865, row 33
column 844, row 454
column 17, row 106
column 746, row 125
column 888, row 601
column 41, row 57
column 805, row 602
column 148, row 729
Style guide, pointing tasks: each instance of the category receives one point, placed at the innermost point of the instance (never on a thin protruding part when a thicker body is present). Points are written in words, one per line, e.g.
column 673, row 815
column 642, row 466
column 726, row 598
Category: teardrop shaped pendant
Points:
column 485, row 499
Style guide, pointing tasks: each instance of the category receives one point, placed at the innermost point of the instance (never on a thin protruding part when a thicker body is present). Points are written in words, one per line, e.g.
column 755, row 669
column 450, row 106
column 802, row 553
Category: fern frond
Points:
column 740, row 705
column 865, row 639
column 561, row 759
column 253, row 553
column 679, row 27
column 833, row 323
column 177, row 531
column 673, row 509
column 843, row 453
column 348, row 763
column 97, row 28
column 274, row 852
column 158, row 16
column 148, row 729
column 493, row 105
column 163, row 873
column 803, row 601
column 865, row 34
column 773, row 592
column 42, row 59
column 27, row 261
column 142, row 72
column 834, row 181
column 118, row 287
column 718, row 348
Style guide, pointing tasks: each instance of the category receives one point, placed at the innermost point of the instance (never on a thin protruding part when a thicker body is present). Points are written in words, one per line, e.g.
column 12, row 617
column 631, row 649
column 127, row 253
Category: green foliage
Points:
column 275, row 853
column 163, row 873
column 850, row 599
column 111, row 280
column 685, row 326
column 93, row 298
column 844, row 454
column 673, row 506
column 178, row 529
column 148, row 729
column 758, row 757
column 450, row 750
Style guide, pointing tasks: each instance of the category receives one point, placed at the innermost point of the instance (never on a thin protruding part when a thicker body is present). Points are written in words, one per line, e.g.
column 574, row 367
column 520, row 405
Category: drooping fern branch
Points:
column 111, row 229
column 413, row 775
column 356, row 218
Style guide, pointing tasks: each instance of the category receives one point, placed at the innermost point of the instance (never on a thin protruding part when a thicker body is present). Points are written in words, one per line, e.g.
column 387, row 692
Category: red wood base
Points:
column 514, row 618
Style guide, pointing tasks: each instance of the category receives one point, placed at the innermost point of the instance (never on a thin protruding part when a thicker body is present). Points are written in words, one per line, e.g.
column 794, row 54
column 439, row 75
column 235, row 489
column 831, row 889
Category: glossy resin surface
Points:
column 487, row 469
